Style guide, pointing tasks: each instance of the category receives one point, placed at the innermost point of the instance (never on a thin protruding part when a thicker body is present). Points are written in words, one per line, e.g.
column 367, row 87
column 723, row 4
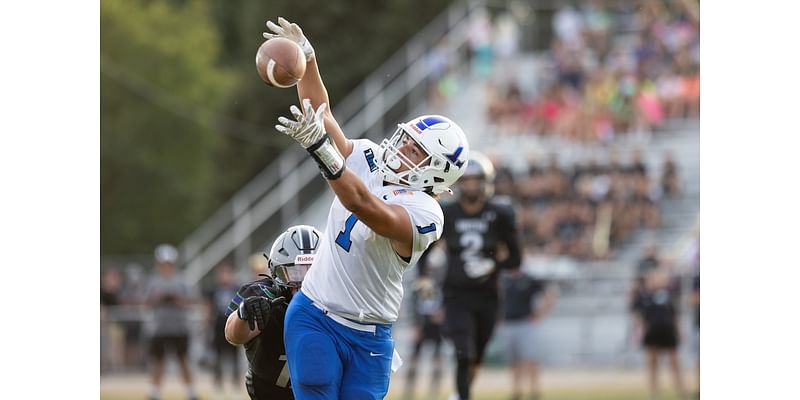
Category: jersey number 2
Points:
column 343, row 238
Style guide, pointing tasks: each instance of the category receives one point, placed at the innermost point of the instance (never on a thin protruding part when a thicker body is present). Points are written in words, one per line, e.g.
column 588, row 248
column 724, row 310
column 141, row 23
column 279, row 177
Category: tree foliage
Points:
column 160, row 85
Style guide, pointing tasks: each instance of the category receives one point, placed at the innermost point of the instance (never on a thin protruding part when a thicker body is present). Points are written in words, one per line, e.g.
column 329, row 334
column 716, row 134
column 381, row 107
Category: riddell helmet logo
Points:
column 305, row 259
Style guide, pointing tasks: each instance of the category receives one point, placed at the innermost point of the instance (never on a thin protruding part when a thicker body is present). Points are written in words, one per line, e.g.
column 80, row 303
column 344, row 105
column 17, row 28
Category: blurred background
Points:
column 589, row 110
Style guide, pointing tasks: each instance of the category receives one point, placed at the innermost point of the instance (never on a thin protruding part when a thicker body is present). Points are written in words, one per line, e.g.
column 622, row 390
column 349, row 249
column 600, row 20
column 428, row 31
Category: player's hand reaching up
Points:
column 308, row 126
column 292, row 32
column 256, row 311
column 308, row 129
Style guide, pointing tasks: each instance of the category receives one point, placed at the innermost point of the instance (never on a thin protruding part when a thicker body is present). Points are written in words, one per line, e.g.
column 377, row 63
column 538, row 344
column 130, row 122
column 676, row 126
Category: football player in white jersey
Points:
column 384, row 216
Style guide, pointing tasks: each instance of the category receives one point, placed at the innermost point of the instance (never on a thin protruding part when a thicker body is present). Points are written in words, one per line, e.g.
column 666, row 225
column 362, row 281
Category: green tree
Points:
column 160, row 86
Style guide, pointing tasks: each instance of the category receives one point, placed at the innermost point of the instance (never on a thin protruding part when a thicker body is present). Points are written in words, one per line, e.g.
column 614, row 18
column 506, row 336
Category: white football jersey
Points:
column 356, row 273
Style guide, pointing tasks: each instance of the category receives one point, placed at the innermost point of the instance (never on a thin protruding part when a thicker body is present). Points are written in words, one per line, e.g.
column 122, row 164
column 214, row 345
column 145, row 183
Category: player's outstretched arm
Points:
column 237, row 331
column 311, row 86
column 391, row 221
column 250, row 319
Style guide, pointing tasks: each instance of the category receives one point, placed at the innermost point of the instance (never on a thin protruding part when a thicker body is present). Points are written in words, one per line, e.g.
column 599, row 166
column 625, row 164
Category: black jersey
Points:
column 471, row 241
column 267, row 375
column 657, row 308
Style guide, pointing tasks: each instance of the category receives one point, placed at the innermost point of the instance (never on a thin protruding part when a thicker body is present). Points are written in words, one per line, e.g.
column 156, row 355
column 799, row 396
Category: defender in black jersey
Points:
column 476, row 227
column 256, row 313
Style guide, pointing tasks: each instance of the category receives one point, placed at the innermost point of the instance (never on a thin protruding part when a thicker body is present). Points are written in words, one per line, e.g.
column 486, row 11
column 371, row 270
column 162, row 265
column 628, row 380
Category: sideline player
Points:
column 384, row 216
column 256, row 313
column 169, row 297
column 476, row 226
column 428, row 318
column 520, row 327
column 657, row 315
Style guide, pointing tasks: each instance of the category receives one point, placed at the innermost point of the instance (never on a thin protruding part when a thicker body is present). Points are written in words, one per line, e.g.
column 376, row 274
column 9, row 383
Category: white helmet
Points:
column 166, row 253
column 443, row 141
column 292, row 253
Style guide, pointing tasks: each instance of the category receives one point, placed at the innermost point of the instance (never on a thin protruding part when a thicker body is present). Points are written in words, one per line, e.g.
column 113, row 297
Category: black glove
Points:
column 256, row 310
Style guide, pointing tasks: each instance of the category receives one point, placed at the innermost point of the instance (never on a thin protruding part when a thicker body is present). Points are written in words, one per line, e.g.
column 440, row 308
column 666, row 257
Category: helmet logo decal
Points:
column 453, row 157
column 428, row 122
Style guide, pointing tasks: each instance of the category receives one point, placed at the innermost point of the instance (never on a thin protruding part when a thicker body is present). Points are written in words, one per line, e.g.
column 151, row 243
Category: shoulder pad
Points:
column 447, row 202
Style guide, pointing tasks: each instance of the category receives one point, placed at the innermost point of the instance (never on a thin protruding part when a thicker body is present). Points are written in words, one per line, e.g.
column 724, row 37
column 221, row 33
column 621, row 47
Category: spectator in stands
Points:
column 691, row 92
column 598, row 22
column 670, row 87
column 568, row 26
column 506, row 42
column 479, row 38
column 526, row 301
column 217, row 299
column 670, row 184
column 657, row 315
column 599, row 91
column 168, row 296
column 637, row 166
column 650, row 113
column 504, row 181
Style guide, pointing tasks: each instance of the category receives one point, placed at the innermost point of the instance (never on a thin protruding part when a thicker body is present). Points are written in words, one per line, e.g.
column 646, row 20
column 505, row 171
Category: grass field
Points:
column 562, row 394
column 491, row 385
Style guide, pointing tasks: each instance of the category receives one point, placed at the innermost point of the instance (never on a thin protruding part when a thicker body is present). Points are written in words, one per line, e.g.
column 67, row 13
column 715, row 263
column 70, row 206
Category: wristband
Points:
column 330, row 161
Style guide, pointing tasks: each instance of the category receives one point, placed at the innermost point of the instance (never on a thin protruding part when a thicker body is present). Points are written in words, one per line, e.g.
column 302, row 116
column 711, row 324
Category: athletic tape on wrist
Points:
column 330, row 161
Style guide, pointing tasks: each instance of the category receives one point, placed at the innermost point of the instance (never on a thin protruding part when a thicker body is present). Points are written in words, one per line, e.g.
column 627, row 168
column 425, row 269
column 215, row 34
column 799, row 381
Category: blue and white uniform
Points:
column 338, row 328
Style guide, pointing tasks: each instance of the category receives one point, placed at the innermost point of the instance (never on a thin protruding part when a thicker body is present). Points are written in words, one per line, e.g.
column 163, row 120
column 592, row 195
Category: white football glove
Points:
column 292, row 32
column 308, row 127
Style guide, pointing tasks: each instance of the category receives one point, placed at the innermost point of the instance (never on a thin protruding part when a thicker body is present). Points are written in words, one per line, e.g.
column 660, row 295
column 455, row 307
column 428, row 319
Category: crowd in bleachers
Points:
column 610, row 71
column 585, row 210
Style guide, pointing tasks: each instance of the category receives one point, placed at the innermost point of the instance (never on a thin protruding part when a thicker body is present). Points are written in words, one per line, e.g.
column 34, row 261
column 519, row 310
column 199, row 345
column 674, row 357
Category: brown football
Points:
column 280, row 62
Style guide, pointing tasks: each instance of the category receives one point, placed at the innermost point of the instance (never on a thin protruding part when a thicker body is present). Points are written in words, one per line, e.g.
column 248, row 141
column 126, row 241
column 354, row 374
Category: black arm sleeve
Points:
column 510, row 236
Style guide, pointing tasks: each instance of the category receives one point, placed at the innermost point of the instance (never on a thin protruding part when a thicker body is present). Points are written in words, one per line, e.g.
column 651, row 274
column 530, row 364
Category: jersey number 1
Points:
column 343, row 238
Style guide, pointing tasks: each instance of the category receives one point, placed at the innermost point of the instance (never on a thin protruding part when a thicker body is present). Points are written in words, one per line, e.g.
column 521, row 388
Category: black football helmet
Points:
column 481, row 167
